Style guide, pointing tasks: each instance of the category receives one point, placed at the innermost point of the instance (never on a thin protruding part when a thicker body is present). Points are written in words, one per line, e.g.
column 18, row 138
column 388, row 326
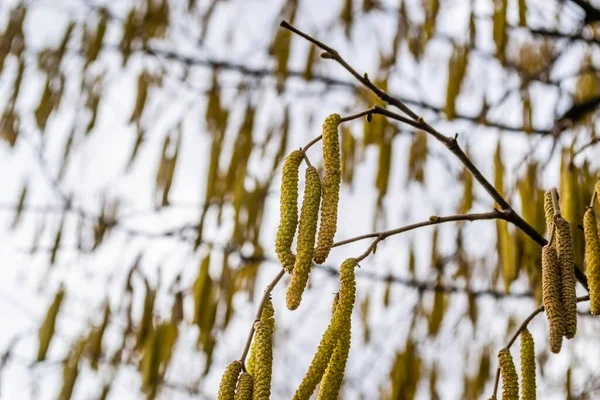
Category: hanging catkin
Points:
column 267, row 316
column 288, row 210
column 244, row 387
column 527, row 366
column 342, row 314
column 331, row 187
column 551, row 292
column 592, row 254
column 306, row 238
column 263, row 361
column 549, row 212
column 510, row 380
column 334, row 374
column 566, row 260
column 229, row 381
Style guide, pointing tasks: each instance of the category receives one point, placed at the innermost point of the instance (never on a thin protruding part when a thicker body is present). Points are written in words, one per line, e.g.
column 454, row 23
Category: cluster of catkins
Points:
column 558, row 292
column 253, row 381
column 510, row 380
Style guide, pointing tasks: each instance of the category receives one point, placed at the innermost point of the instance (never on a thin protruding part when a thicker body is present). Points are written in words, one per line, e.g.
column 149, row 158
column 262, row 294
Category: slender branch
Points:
column 522, row 328
column 433, row 220
column 450, row 143
column 261, row 306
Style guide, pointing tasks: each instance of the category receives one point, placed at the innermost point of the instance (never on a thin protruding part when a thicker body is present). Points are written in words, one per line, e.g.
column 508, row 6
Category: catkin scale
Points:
column 510, row 380
column 566, row 260
column 288, row 210
column 528, row 387
column 551, row 296
column 341, row 316
column 263, row 363
column 229, row 381
column 244, row 387
column 592, row 254
column 331, row 188
column 306, row 238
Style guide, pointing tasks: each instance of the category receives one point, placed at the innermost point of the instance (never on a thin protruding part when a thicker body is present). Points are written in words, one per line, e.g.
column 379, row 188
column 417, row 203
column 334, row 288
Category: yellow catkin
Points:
column 244, row 387
column 527, row 366
column 288, row 210
column 306, row 238
column 334, row 374
column 551, row 292
column 267, row 317
column 229, row 381
column 592, row 255
column 548, row 212
column 341, row 316
column 566, row 260
column 263, row 368
column 331, row 187
column 510, row 380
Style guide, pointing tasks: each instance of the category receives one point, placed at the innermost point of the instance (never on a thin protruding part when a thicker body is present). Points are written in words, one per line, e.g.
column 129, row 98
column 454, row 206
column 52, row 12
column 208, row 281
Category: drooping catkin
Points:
column 548, row 212
column 331, row 187
column 244, row 387
column 306, row 238
column 510, row 380
column 592, row 254
column 229, row 381
column 342, row 315
column 566, row 260
column 528, row 387
column 263, row 363
column 334, row 374
column 551, row 295
column 288, row 210
column 267, row 317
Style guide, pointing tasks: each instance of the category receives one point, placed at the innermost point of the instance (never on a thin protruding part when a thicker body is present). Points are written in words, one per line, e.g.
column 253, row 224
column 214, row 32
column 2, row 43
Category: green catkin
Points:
column 510, row 380
column 306, row 238
column 267, row 316
column 548, row 212
column 288, row 210
column 341, row 316
column 331, row 187
column 229, row 381
column 244, row 387
column 551, row 296
column 263, row 364
column 528, row 387
column 566, row 260
column 592, row 254
column 334, row 374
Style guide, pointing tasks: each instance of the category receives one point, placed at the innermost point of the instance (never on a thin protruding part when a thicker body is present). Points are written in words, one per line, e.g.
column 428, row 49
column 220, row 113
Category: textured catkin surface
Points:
column 528, row 386
column 566, row 260
column 267, row 316
column 244, row 387
column 341, row 315
column 510, row 380
column 306, row 238
column 263, row 367
column 331, row 188
column 334, row 374
column 288, row 210
column 549, row 213
column 551, row 295
column 592, row 254
column 229, row 381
